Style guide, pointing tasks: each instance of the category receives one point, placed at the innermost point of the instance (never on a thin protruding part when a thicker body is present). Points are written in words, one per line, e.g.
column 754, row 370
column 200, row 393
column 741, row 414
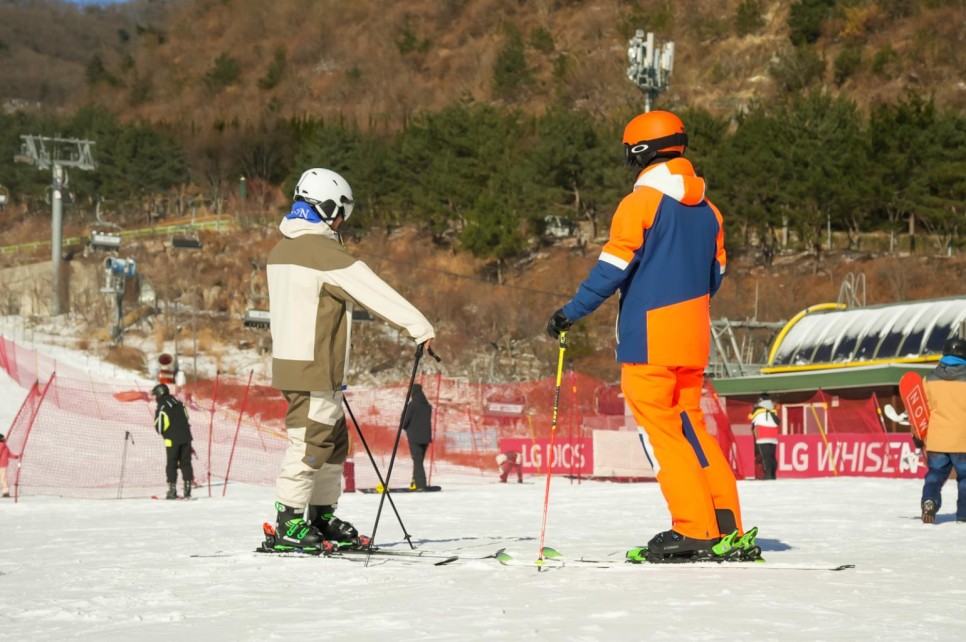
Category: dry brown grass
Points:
column 126, row 357
column 347, row 62
column 486, row 330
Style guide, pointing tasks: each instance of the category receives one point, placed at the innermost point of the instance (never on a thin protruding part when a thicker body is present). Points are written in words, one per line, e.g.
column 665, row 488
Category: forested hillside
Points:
column 468, row 123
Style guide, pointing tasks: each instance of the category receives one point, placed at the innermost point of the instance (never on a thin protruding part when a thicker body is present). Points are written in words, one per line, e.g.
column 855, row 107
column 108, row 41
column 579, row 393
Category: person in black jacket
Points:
column 418, row 424
column 171, row 422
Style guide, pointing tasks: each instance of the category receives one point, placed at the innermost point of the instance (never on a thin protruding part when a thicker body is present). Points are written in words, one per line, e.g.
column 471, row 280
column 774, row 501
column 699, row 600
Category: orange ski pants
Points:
column 693, row 474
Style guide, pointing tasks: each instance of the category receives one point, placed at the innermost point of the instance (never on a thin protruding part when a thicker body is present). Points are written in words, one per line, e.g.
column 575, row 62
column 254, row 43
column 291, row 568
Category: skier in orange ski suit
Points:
column 666, row 257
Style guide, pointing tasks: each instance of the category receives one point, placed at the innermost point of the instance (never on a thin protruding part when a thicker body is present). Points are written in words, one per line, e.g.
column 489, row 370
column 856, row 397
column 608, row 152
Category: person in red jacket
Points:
column 510, row 462
column 666, row 257
column 764, row 428
column 5, row 457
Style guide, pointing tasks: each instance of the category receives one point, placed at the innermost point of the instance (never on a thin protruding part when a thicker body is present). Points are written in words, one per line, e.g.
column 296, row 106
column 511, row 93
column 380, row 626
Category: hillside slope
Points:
column 377, row 64
column 204, row 65
column 487, row 331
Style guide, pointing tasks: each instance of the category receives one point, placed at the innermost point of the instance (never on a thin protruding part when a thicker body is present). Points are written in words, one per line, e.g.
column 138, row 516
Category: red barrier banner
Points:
column 842, row 455
column 569, row 456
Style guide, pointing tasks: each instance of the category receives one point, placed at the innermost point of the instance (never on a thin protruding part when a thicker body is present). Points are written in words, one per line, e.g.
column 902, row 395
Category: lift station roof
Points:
column 832, row 335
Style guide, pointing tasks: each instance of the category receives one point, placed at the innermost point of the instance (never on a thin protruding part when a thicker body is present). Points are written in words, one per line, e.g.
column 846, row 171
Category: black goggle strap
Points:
column 652, row 147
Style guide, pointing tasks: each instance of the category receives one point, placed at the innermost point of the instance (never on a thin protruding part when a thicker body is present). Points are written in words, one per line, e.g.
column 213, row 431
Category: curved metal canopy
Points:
column 831, row 335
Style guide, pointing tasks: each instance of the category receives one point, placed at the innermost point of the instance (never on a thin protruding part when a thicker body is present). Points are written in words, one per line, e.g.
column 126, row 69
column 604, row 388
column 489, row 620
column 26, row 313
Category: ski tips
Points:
column 546, row 555
column 503, row 557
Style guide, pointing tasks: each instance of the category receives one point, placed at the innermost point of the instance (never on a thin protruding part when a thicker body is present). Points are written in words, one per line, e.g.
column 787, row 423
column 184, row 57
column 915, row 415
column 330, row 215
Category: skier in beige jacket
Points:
column 313, row 285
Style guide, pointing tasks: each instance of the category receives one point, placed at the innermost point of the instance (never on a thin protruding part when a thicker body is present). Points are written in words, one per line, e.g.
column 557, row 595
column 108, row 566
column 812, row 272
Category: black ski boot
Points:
column 172, row 493
column 334, row 530
column 670, row 546
column 187, row 489
column 293, row 533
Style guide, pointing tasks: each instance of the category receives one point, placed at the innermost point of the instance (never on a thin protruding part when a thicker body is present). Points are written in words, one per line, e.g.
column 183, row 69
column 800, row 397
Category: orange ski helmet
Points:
column 651, row 135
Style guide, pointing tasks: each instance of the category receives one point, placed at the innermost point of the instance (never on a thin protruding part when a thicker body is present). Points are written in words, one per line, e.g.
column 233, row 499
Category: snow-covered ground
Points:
column 127, row 569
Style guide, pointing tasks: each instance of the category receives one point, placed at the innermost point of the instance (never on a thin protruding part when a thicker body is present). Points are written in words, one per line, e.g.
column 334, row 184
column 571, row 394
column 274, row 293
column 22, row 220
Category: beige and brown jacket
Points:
column 946, row 392
column 313, row 284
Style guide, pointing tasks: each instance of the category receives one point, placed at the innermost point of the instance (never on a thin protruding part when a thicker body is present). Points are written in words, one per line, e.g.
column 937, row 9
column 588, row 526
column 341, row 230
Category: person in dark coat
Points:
column 418, row 424
column 171, row 422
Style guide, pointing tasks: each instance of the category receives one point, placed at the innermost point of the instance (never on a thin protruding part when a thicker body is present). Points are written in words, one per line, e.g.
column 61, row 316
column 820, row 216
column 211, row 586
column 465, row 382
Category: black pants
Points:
column 418, row 453
column 768, row 462
column 179, row 456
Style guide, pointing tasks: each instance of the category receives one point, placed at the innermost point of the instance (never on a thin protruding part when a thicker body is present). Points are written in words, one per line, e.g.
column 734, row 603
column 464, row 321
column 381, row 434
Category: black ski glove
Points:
column 558, row 323
column 919, row 443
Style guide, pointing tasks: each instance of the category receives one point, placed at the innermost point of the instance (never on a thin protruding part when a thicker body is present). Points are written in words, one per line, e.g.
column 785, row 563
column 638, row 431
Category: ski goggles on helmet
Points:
column 329, row 210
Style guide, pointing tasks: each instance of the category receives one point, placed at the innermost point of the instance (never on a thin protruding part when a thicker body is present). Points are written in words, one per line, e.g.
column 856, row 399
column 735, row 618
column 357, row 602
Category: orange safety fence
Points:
column 95, row 438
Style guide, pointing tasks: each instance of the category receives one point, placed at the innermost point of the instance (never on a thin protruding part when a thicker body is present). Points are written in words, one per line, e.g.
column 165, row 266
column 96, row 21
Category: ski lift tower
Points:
column 56, row 154
column 650, row 65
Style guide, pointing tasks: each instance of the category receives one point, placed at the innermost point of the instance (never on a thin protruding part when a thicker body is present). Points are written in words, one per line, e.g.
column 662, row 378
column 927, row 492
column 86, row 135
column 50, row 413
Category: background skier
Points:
column 946, row 438
column 418, row 424
column 171, row 422
column 666, row 256
column 313, row 284
column 5, row 457
column 764, row 428
column 508, row 462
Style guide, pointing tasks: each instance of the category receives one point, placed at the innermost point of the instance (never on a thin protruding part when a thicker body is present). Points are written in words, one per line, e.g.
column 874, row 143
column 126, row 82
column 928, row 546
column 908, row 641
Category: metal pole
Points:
column 395, row 448
column 553, row 433
column 372, row 460
column 120, row 483
column 56, row 233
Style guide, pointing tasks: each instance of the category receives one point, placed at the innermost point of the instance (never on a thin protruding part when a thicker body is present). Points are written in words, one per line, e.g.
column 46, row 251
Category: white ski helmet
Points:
column 328, row 193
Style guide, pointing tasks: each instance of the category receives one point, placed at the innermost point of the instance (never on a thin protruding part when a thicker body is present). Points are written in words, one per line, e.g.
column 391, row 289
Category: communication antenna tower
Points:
column 650, row 65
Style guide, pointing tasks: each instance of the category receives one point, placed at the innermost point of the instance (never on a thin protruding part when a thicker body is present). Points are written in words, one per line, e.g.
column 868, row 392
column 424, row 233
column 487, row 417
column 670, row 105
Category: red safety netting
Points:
column 718, row 425
column 820, row 413
column 83, row 437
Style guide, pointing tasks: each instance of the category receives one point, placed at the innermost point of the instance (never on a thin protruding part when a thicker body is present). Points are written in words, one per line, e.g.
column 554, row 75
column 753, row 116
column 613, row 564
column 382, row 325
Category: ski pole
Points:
column 120, row 483
column 553, row 434
column 395, row 447
column 372, row 460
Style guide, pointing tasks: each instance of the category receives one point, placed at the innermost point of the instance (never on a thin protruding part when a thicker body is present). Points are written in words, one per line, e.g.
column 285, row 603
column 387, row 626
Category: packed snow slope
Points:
column 138, row 569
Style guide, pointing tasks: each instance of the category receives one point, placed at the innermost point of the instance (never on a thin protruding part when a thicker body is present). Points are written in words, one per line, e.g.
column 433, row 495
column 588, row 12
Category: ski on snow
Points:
column 361, row 551
column 553, row 558
column 350, row 555
column 361, row 554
